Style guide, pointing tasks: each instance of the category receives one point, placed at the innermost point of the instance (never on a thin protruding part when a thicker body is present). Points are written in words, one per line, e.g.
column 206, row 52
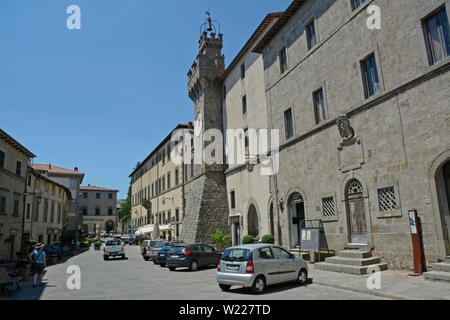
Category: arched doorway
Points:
column 356, row 212
column 443, row 193
column 297, row 217
column 109, row 226
column 253, row 227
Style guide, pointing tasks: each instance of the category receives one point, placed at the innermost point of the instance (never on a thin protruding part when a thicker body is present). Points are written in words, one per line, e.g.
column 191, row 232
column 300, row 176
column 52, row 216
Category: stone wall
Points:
column 401, row 131
column 206, row 208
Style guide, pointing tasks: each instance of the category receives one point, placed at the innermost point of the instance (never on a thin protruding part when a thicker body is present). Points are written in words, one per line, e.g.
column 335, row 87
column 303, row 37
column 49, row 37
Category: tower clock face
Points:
column 198, row 124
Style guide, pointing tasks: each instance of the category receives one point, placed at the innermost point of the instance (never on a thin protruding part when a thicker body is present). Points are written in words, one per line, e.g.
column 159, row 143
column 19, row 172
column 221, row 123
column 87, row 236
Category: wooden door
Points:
column 357, row 220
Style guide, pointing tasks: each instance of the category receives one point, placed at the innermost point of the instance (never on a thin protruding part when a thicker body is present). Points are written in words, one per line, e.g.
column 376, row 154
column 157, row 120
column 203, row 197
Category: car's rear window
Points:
column 166, row 248
column 160, row 245
column 237, row 255
column 177, row 250
column 114, row 243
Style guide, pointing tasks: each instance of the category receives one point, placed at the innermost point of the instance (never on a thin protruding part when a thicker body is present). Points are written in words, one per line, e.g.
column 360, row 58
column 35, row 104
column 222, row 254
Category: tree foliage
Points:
column 125, row 207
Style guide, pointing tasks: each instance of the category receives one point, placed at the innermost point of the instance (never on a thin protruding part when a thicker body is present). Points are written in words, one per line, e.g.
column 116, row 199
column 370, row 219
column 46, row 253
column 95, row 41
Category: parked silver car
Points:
column 148, row 246
column 256, row 266
column 113, row 248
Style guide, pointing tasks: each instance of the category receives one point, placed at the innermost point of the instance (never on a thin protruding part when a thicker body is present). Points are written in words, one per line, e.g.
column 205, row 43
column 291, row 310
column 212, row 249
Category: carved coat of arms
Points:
column 345, row 130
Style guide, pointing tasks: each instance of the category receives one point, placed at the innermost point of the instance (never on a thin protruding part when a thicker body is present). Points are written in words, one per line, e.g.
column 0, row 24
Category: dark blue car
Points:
column 161, row 258
column 133, row 240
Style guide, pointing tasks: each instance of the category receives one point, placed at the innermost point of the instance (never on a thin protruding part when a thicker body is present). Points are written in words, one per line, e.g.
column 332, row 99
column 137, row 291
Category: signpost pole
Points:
column 417, row 247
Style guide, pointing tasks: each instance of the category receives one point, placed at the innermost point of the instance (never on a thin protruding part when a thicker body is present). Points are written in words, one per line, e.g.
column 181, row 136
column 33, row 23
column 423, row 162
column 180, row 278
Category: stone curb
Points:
column 362, row 290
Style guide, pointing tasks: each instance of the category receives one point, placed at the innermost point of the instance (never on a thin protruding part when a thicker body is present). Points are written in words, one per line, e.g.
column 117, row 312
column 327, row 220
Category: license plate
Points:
column 232, row 267
column 162, row 255
column 174, row 256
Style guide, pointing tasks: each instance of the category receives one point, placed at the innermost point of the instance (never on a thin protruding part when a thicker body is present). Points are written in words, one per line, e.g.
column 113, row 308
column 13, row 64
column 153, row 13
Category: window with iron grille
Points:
column 387, row 199
column 328, row 207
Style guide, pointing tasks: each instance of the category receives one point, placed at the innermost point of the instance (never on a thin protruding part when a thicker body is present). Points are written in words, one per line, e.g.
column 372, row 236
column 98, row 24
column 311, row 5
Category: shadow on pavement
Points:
column 272, row 289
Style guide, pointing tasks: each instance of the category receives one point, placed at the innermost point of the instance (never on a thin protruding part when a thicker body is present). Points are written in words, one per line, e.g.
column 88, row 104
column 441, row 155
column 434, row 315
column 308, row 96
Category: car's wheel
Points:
column 259, row 285
column 302, row 277
column 146, row 258
column 105, row 258
column 224, row 287
column 162, row 265
column 154, row 261
column 193, row 266
column 172, row 268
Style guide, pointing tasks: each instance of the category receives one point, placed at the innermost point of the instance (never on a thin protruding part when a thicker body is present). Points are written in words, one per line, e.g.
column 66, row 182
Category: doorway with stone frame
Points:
column 297, row 217
column 357, row 224
column 443, row 193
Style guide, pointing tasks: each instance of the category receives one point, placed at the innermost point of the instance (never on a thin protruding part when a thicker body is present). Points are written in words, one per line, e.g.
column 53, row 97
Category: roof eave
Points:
column 282, row 21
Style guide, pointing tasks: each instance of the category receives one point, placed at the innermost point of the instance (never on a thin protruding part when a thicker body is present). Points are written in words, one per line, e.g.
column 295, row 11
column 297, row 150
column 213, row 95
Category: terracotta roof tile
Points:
column 54, row 169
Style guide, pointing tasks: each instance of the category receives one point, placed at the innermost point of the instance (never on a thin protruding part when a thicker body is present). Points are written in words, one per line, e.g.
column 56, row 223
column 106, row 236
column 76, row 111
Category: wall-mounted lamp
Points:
column 281, row 204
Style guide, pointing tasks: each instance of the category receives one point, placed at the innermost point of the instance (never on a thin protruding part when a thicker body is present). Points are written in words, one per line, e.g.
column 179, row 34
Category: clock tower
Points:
column 206, row 207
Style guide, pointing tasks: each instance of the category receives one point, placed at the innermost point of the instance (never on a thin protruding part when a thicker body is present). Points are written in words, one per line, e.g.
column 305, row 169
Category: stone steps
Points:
column 437, row 275
column 353, row 261
column 443, row 267
column 447, row 259
column 355, row 254
column 342, row 268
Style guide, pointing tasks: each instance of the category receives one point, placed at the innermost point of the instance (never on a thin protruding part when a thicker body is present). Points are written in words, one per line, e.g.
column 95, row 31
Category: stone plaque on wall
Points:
column 351, row 154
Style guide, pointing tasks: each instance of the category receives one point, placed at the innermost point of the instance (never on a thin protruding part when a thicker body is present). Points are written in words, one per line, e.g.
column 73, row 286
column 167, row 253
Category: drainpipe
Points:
column 275, row 183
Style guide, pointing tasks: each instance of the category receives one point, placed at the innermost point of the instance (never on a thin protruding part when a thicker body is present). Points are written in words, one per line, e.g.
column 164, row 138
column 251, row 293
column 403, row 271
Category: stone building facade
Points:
column 244, row 108
column 47, row 204
column 72, row 179
column 157, row 191
column 364, row 116
column 14, row 159
column 98, row 206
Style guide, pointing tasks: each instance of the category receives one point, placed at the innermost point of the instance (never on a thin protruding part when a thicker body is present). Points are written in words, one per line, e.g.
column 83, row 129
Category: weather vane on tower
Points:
column 209, row 25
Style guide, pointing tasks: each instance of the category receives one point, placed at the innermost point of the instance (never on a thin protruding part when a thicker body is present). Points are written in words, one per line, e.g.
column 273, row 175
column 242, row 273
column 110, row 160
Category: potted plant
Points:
column 24, row 266
column 220, row 240
column 268, row 238
column 97, row 245
column 147, row 204
column 21, row 255
column 73, row 249
column 53, row 259
column 248, row 239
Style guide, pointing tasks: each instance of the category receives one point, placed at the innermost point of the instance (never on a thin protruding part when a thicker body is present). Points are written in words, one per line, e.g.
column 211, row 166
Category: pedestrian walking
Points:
column 39, row 263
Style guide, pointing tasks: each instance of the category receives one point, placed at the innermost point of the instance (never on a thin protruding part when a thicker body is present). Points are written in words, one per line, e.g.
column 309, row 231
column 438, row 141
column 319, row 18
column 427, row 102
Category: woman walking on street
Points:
column 38, row 258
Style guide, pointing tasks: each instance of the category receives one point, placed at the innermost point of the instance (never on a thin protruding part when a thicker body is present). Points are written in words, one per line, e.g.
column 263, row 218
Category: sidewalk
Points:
column 395, row 284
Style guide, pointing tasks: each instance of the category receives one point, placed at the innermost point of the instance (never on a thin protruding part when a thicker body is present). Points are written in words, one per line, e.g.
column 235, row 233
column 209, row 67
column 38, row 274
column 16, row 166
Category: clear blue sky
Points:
column 101, row 98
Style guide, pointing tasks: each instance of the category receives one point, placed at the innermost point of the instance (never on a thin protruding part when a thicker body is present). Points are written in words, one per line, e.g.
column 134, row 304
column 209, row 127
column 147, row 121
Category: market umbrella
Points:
column 156, row 230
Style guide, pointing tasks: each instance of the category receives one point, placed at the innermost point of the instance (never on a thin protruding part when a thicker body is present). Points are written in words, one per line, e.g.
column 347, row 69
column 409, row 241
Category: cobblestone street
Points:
column 136, row 279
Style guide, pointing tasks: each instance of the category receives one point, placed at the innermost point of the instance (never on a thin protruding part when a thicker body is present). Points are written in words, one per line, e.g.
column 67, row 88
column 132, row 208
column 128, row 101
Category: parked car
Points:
column 103, row 234
column 192, row 256
column 113, row 248
column 162, row 255
column 147, row 246
column 133, row 240
column 154, row 250
column 125, row 238
column 256, row 266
